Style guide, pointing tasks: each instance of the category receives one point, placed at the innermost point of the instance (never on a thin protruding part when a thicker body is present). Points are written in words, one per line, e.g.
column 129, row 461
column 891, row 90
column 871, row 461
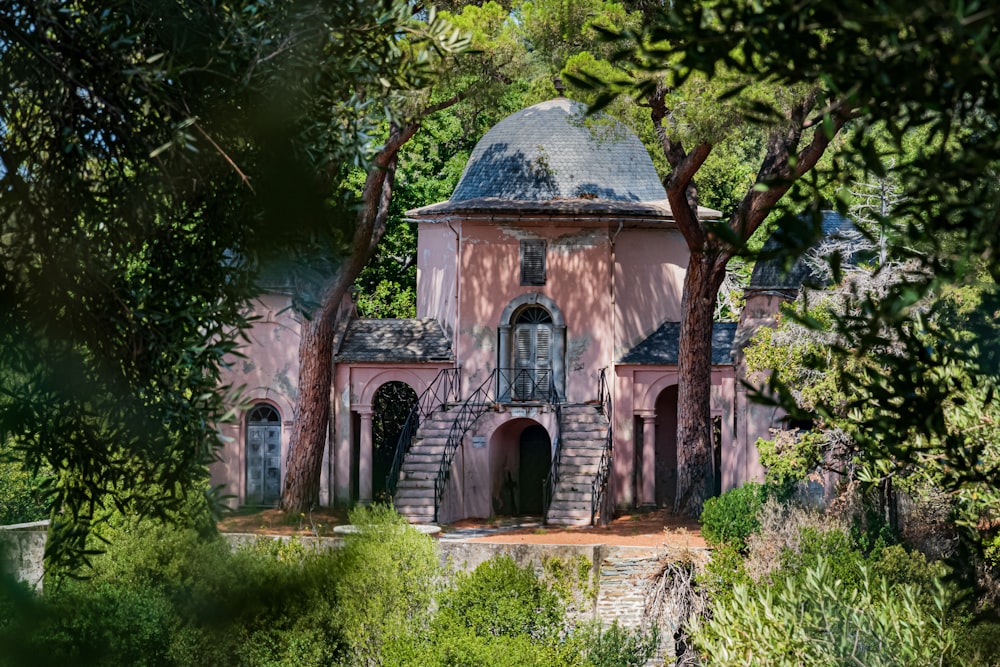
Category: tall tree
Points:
column 150, row 154
column 413, row 57
column 803, row 71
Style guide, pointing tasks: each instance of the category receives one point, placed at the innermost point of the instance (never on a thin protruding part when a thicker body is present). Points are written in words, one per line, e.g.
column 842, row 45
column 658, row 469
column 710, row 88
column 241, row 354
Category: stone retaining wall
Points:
column 622, row 574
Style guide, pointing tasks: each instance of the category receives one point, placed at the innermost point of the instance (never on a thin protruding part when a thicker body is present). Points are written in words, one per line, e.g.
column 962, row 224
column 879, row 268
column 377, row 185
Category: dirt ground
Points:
column 649, row 529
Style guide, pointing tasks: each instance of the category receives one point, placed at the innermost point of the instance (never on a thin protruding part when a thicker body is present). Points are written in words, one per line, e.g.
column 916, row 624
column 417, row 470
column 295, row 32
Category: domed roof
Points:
column 553, row 150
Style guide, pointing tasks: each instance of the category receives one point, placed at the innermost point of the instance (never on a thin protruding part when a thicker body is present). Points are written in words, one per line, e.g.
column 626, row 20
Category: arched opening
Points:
column 263, row 456
column 520, row 459
column 666, row 447
column 390, row 408
column 535, row 459
column 531, row 350
column 532, row 354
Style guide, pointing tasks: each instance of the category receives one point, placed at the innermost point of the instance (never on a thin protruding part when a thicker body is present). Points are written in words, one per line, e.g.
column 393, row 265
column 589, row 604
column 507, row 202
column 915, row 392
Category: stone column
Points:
column 365, row 456
column 647, row 495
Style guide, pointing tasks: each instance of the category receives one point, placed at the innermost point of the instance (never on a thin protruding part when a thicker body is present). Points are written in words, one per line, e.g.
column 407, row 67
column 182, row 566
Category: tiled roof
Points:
column 411, row 340
column 769, row 271
column 662, row 346
column 554, row 150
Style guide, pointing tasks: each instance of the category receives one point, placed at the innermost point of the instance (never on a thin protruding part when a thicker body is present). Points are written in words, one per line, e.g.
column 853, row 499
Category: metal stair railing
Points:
column 599, row 495
column 552, row 479
column 468, row 412
column 444, row 388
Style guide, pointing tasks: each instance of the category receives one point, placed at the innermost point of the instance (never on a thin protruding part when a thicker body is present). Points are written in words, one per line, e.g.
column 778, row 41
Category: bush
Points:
column 732, row 517
column 500, row 598
column 815, row 620
column 386, row 578
column 615, row 646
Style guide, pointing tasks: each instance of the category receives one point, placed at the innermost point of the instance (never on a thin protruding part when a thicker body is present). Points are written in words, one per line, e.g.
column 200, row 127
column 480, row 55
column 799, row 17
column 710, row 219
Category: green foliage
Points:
column 387, row 576
column 789, row 457
column 501, row 599
column 732, row 517
column 615, row 646
column 22, row 497
column 724, row 572
column 164, row 595
column 816, row 620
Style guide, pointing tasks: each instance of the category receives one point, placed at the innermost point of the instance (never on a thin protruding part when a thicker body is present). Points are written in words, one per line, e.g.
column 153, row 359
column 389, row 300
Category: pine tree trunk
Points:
column 305, row 455
column 694, row 411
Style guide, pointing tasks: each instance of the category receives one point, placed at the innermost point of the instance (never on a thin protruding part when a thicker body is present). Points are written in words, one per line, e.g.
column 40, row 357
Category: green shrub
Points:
column 844, row 561
column 732, row 517
column 615, row 646
column 723, row 572
column 500, row 598
column 386, row 578
column 816, row 620
column 21, row 494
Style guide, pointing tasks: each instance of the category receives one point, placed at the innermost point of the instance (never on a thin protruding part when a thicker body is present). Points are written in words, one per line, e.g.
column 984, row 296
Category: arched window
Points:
column 531, row 350
column 532, row 354
column 263, row 456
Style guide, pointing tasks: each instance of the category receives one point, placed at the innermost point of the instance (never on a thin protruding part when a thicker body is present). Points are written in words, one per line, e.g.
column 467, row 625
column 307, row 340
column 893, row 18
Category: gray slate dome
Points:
column 553, row 150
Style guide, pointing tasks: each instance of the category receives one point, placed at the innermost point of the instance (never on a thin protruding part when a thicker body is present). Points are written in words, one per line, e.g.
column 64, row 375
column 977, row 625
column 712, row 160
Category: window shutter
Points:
column 542, row 360
column 533, row 262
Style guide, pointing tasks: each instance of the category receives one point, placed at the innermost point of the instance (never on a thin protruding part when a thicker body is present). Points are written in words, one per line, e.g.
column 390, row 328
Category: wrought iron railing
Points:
column 552, row 479
column 525, row 384
column 466, row 414
column 444, row 389
column 600, row 497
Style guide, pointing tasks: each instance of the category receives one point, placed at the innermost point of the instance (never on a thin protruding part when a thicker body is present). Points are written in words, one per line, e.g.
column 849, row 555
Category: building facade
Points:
column 544, row 351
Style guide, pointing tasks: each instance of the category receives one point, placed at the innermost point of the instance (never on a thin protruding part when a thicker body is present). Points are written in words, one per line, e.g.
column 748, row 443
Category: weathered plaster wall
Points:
column 269, row 374
column 22, row 552
column 577, row 280
column 649, row 281
column 437, row 280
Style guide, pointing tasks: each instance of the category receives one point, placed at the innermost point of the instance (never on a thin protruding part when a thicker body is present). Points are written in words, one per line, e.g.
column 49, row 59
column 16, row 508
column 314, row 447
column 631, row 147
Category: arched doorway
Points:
column 666, row 447
column 390, row 408
column 532, row 354
column 263, row 456
column 534, row 461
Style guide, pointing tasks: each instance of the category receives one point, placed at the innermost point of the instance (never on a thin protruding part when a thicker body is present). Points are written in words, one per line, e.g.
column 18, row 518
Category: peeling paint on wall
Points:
column 575, row 350
column 485, row 337
column 248, row 366
column 282, row 380
column 586, row 238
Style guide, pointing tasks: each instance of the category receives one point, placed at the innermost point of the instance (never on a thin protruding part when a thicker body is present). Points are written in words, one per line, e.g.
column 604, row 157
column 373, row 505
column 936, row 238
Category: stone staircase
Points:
column 414, row 497
column 584, row 430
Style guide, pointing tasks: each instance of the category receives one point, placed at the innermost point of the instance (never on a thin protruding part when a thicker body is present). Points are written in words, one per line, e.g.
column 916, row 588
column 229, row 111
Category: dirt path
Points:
column 651, row 529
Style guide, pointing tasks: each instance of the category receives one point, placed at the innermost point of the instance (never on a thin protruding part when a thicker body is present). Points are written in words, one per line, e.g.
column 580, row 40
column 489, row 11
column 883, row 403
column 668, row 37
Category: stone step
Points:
column 421, row 458
column 415, row 498
column 415, row 473
column 415, row 489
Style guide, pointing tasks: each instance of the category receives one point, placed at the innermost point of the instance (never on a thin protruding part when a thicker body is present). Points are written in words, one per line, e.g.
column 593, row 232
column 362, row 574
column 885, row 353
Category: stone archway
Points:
column 520, row 459
column 391, row 406
column 666, row 447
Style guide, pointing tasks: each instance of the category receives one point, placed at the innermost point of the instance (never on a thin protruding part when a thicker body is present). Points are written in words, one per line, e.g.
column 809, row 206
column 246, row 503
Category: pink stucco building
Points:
column 544, row 350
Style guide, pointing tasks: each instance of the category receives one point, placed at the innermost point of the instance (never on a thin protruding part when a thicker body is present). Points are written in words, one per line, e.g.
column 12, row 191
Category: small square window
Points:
column 533, row 262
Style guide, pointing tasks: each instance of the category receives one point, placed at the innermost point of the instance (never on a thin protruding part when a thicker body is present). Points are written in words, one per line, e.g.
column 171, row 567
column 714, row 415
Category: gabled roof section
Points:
column 661, row 348
column 401, row 341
